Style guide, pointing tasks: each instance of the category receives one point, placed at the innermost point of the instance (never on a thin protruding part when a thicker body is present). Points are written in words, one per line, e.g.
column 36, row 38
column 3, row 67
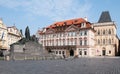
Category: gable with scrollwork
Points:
column 49, row 31
column 72, row 28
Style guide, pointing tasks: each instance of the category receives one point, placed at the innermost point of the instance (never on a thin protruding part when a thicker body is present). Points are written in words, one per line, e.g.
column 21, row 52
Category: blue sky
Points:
column 40, row 13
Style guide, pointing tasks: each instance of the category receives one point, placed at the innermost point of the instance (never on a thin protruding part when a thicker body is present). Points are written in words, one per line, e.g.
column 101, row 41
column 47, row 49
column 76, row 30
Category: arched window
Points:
column 103, row 32
column 98, row 41
column 80, row 42
column 98, row 32
column 109, row 31
column 103, row 41
column 85, row 42
column 109, row 41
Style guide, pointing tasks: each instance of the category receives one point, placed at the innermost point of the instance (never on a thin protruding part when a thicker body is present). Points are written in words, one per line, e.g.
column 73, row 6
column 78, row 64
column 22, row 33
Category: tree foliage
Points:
column 27, row 33
column 27, row 37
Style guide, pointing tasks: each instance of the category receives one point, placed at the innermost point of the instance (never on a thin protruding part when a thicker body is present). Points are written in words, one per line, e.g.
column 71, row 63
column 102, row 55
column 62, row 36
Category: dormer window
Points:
column 83, row 25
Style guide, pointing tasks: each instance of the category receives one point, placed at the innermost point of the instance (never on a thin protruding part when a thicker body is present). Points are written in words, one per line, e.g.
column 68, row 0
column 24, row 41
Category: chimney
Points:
column 85, row 18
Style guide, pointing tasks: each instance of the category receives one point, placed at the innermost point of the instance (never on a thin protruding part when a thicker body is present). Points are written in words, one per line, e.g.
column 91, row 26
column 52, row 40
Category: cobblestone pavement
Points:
column 69, row 66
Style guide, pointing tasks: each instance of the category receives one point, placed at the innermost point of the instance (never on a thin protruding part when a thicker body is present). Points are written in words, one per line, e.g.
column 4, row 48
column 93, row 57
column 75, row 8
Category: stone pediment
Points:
column 72, row 28
column 49, row 31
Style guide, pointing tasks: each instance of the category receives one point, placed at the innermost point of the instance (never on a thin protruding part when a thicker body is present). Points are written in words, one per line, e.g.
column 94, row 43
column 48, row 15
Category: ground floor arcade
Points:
column 71, row 51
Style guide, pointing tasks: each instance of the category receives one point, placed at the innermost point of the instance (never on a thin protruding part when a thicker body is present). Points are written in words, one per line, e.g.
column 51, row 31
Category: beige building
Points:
column 8, row 35
column 3, row 36
column 106, row 36
column 14, row 35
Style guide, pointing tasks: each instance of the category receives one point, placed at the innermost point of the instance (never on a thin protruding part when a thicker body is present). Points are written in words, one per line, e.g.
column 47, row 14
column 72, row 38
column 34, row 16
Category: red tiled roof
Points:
column 77, row 22
column 67, row 22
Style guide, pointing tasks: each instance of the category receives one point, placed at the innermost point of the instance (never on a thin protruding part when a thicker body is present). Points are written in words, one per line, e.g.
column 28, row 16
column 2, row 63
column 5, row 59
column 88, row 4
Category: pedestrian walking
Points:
column 64, row 56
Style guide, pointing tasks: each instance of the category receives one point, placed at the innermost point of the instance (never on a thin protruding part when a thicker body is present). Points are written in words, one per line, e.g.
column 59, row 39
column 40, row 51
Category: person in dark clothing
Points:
column 64, row 56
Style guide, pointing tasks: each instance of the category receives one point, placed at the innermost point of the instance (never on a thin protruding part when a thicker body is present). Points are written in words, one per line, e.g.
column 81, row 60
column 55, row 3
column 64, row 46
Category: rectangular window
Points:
column 59, row 52
column 74, row 34
column 63, row 52
column 109, row 52
column 56, row 52
column 82, row 25
column 80, row 42
column 80, row 52
column 85, row 52
column 80, row 33
column 85, row 33
column 85, row 42
column 71, row 33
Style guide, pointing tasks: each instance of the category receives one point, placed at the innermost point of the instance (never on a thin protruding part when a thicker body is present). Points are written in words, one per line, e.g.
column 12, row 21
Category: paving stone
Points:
column 69, row 66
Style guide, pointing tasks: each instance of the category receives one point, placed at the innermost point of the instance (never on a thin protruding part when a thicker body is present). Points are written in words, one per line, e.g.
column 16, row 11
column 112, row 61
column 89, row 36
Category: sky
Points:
column 41, row 13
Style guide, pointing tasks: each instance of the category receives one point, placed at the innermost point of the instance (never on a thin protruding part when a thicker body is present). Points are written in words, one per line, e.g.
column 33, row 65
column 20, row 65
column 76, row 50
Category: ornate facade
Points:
column 8, row 35
column 14, row 35
column 3, row 36
column 70, row 38
column 106, row 36
column 80, row 37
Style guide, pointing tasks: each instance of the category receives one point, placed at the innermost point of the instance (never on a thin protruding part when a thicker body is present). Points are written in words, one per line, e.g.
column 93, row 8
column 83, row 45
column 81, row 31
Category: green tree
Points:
column 27, row 33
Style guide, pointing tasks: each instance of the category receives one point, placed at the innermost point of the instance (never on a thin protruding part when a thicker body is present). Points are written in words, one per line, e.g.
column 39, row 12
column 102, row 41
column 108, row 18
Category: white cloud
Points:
column 56, row 10
column 13, row 4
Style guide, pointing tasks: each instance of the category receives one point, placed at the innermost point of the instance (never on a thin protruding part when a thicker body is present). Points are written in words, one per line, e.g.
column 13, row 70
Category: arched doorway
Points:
column 103, row 51
column 71, row 52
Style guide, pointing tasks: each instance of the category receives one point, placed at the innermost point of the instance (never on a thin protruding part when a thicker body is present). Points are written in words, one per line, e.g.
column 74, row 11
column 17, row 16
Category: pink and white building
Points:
column 75, row 37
